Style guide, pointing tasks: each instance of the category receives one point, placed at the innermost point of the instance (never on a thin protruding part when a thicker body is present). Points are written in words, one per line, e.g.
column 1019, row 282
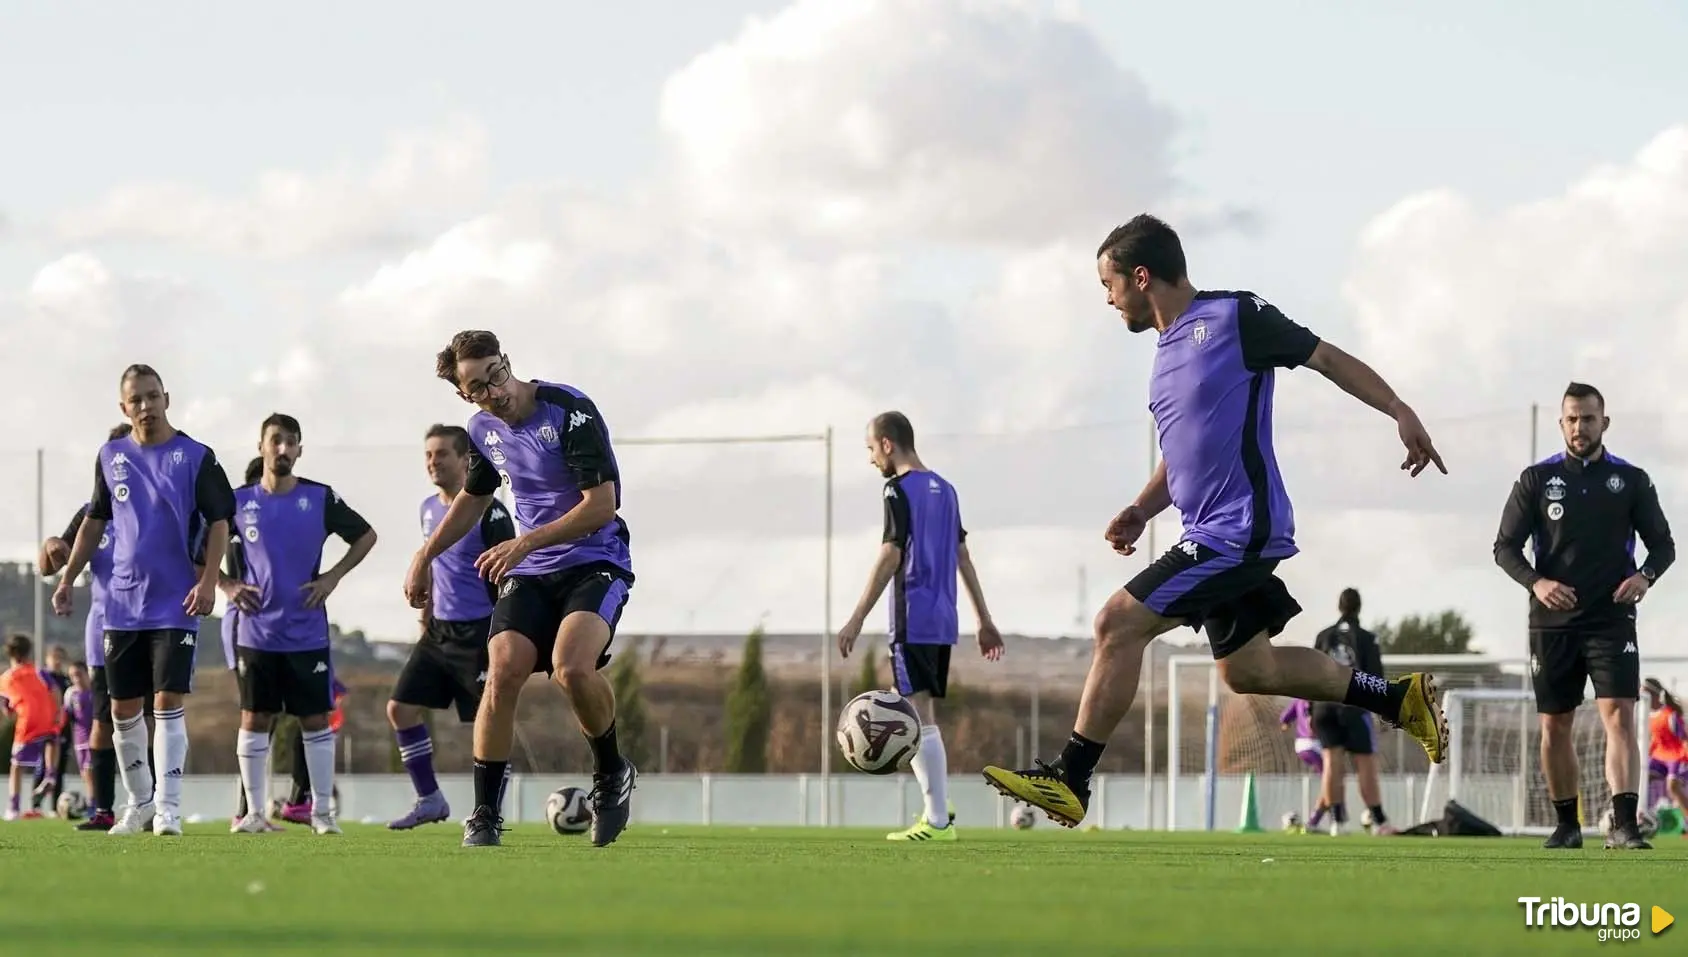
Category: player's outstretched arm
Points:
column 1362, row 382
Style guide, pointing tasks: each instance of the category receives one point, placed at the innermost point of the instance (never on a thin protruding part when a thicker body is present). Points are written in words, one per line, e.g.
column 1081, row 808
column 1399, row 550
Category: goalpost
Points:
column 1216, row 739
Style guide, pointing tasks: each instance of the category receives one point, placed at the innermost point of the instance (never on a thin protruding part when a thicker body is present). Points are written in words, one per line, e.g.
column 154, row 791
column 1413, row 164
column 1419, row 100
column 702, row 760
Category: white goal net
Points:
column 1216, row 740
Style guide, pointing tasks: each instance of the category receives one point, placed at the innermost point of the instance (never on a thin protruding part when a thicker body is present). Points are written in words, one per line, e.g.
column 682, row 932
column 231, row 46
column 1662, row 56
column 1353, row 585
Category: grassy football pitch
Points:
column 776, row 892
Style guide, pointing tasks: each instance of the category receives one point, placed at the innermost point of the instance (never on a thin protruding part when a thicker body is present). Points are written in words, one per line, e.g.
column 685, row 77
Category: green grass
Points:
column 777, row 892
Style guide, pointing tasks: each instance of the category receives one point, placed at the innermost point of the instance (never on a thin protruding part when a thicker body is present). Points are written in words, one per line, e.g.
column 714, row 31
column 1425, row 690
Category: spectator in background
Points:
column 1347, row 731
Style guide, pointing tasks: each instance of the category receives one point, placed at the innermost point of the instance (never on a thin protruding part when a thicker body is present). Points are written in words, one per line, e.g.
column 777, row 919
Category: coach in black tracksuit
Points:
column 1584, row 507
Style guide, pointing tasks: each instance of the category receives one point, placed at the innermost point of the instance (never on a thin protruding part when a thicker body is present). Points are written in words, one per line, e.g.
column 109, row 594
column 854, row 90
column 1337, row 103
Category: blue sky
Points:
column 1425, row 186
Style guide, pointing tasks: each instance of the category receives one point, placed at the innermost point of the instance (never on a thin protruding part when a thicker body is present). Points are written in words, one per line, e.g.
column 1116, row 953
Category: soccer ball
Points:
column 1022, row 817
column 568, row 811
column 1292, row 823
column 1649, row 824
column 879, row 732
column 71, row 807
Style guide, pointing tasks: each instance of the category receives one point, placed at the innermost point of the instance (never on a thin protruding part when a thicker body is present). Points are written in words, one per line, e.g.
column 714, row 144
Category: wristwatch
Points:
column 1650, row 575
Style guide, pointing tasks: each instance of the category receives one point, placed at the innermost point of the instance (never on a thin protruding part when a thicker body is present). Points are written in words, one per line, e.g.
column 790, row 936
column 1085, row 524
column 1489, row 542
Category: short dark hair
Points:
column 468, row 344
column 119, row 431
column 1348, row 603
column 1582, row 390
column 18, row 646
column 894, row 426
column 79, row 663
column 139, row 370
column 1148, row 242
column 282, row 421
column 255, row 469
column 458, row 435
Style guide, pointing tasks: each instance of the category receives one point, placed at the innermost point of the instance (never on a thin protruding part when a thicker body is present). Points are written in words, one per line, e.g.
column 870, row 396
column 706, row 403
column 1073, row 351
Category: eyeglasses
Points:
column 495, row 377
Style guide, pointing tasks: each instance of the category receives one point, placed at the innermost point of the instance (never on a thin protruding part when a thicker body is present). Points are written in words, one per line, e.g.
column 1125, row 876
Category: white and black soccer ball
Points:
column 1292, row 823
column 879, row 732
column 71, row 806
column 568, row 811
column 1022, row 817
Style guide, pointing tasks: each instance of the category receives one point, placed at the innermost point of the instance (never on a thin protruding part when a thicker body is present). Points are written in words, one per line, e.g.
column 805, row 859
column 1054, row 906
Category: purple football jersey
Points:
column 99, row 574
column 156, row 499
column 548, row 461
column 1211, row 396
column 923, row 518
column 278, row 548
column 460, row 593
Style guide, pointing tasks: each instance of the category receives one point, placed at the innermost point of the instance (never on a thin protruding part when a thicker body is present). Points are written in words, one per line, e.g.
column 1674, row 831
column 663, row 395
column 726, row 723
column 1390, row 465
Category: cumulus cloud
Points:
column 957, row 121
column 1474, row 309
column 385, row 206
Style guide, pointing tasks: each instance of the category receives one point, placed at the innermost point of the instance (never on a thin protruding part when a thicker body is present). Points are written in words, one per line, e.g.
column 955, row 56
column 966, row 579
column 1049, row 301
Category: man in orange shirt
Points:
column 24, row 694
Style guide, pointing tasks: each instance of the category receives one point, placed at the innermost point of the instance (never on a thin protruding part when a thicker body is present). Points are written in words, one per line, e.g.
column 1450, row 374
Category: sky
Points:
column 743, row 219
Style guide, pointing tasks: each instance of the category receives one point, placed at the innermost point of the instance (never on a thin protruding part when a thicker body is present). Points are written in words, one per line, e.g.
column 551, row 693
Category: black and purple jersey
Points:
column 157, row 500
column 548, row 461
column 923, row 519
column 277, row 547
column 460, row 593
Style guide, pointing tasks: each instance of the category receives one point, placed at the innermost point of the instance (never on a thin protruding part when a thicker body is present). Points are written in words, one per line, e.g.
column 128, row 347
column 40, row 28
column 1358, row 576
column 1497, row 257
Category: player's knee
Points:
column 1123, row 624
column 1556, row 728
column 401, row 715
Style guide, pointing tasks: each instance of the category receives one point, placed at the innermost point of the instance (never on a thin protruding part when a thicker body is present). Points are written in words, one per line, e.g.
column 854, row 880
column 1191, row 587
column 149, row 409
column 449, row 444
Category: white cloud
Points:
column 1469, row 309
column 954, row 120
column 387, row 205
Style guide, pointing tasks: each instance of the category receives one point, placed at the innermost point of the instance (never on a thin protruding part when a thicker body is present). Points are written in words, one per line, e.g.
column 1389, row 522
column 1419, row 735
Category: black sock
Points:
column 1079, row 759
column 1378, row 818
column 1623, row 809
column 1375, row 695
column 1566, row 811
column 489, row 780
column 103, row 762
column 1339, row 813
column 606, row 755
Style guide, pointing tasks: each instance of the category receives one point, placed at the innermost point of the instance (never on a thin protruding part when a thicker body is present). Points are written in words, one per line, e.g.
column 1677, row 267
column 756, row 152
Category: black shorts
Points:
column 1342, row 726
column 102, row 696
column 446, row 667
column 142, row 663
column 534, row 606
column 920, row 668
column 1563, row 661
column 1231, row 599
column 300, row 683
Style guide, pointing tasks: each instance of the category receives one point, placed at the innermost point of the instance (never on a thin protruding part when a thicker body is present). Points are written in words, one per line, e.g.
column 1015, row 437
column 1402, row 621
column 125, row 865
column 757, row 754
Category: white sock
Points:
column 129, row 737
column 252, row 748
column 170, row 749
column 319, row 760
column 931, row 769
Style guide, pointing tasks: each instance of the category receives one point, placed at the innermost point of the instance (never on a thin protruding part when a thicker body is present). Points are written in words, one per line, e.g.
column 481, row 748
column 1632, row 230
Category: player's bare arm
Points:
column 885, row 566
column 595, row 510
column 318, row 590
column 1362, row 382
column 1647, row 517
column 990, row 640
column 466, row 511
column 87, row 540
column 1128, row 526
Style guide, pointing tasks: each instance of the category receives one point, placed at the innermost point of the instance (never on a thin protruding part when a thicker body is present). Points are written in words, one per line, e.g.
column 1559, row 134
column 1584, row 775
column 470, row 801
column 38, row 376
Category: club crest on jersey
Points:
column 1198, row 332
column 497, row 456
column 548, row 434
column 1555, row 489
column 1615, row 483
column 304, row 504
column 176, row 457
